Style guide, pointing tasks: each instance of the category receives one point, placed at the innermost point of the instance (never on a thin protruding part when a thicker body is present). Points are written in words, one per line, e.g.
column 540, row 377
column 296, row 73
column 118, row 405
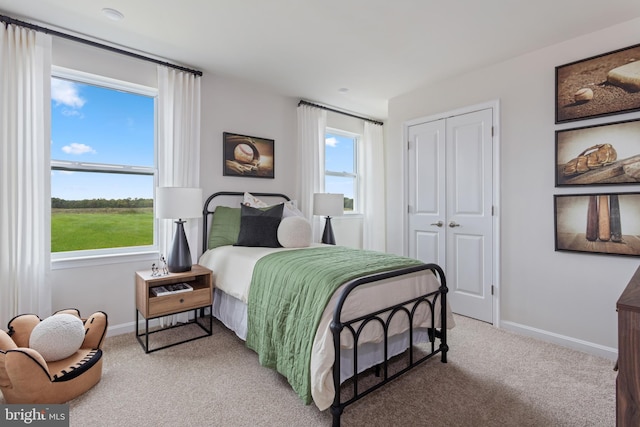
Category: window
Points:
column 103, row 168
column 341, row 166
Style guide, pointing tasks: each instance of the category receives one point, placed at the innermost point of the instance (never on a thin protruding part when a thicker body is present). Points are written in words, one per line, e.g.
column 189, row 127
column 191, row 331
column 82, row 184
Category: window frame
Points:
column 88, row 257
column 357, row 140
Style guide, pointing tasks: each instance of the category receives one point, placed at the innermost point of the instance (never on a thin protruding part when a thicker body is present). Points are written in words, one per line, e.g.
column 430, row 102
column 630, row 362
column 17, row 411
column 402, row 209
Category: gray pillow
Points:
column 259, row 227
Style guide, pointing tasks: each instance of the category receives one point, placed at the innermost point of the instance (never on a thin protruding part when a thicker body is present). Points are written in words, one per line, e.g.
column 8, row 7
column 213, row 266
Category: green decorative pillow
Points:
column 225, row 227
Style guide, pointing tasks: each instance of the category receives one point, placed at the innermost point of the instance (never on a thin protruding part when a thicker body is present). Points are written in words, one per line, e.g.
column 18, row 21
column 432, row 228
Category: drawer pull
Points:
column 181, row 300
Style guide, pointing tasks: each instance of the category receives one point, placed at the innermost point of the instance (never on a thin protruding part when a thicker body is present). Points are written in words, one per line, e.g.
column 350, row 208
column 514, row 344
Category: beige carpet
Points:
column 493, row 378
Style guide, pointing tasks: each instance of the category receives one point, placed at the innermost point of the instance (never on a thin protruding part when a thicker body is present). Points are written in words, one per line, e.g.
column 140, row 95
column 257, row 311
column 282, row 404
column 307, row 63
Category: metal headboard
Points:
column 207, row 212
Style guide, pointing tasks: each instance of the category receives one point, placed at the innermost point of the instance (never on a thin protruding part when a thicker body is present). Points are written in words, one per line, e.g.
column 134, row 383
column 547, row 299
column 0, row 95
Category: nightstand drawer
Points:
column 182, row 301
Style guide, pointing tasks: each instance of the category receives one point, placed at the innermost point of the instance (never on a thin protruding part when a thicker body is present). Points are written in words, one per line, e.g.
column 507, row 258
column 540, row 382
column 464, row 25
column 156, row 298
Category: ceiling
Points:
column 375, row 49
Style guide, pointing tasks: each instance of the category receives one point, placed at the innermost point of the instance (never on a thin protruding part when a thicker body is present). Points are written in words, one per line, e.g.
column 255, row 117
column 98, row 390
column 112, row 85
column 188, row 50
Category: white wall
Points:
column 564, row 297
column 227, row 105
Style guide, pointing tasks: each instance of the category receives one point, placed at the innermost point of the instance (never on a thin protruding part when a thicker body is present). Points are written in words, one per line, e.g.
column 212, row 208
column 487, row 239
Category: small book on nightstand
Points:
column 171, row 289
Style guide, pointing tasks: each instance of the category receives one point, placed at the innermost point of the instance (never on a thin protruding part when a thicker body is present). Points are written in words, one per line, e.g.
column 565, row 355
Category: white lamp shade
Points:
column 178, row 202
column 328, row 204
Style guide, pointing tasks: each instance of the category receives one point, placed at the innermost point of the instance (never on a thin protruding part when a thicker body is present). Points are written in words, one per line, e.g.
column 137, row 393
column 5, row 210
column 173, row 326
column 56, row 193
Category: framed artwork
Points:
column 598, row 155
column 598, row 223
column 599, row 86
column 247, row 156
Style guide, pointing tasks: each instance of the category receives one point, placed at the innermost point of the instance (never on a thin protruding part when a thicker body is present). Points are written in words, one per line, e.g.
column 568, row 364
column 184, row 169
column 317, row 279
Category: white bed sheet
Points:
column 232, row 268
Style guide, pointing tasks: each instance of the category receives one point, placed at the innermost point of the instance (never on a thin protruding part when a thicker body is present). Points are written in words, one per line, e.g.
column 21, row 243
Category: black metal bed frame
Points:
column 356, row 326
column 408, row 308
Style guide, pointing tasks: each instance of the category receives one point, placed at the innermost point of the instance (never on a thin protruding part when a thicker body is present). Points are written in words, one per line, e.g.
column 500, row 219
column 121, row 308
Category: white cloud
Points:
column 69, row 112
column 66, row 93
column 76, row 148
column 331, row 142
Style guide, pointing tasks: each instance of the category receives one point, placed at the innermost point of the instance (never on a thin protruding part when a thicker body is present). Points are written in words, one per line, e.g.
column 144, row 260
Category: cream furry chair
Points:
column 25, row 376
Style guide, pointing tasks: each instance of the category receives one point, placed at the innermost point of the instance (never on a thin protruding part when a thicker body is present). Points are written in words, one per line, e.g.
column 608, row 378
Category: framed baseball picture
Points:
column 603, row 154
column 247, row 156
column 599, row 86
column 603, row 223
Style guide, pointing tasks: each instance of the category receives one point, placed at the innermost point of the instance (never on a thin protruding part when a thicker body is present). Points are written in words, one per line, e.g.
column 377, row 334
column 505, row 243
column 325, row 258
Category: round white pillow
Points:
column 57, row 337
column 294, row 232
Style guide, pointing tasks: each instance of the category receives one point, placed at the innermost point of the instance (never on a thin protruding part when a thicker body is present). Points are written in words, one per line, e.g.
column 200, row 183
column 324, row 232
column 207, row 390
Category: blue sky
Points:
column 97, row 125
column 339, row 157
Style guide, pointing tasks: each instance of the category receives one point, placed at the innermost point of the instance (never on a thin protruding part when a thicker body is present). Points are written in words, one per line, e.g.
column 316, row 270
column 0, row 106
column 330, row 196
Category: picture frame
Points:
column 602, row 154
column 598, row 223
column 247, row 156
column 598, row 86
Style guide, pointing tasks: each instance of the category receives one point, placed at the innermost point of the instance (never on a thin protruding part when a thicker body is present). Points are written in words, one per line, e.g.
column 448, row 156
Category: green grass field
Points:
column 80, row 229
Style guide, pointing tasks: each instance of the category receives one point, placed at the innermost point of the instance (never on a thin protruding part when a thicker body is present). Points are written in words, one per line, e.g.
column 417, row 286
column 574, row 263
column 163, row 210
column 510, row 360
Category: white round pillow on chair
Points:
column 294, row 232
column 57, row 337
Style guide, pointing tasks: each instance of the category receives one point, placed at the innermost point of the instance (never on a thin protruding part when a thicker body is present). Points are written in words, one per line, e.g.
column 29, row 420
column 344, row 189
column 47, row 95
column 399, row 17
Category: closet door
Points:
column 427, row 208
column 450, row 215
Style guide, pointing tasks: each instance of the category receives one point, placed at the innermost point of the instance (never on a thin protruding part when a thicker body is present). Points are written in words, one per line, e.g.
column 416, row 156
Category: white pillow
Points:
column 290, row 209
column 253, row 201
column 294, row 232
column 57, row 337
column 290, row 206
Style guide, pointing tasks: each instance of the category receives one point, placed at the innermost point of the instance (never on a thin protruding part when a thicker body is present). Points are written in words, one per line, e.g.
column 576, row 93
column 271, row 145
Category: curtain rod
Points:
column 8, row 20
column 311, row 104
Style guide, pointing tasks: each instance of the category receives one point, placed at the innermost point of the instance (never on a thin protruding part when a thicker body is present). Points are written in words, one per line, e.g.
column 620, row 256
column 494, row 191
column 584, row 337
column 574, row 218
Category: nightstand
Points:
column 151, row 306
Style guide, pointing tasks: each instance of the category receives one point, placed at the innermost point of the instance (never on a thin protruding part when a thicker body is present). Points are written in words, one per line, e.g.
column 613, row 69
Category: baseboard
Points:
column 126, row 328
column 565, row 341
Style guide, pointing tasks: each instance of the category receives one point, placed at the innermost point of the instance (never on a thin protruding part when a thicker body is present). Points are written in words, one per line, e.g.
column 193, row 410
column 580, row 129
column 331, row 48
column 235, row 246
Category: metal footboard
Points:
column 352, row 326
column 407, row 308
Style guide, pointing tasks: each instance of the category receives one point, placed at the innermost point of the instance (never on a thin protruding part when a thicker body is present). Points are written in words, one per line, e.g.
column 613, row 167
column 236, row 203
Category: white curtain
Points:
column 25, row 82
column 372, row 186
column 178, row 143
column 312, row 123
column 178, row 146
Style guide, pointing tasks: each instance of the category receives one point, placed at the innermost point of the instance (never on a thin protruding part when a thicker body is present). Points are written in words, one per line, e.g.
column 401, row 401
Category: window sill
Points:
column 103, row 259
column 348, row 215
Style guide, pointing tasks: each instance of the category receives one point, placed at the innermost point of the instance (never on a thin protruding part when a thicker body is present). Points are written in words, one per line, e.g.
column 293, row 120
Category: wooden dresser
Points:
column 628, row 380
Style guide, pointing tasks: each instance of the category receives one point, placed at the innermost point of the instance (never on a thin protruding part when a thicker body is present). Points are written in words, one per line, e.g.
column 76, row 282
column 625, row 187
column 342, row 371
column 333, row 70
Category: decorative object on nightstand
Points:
column 328, row 205
column 179, row 202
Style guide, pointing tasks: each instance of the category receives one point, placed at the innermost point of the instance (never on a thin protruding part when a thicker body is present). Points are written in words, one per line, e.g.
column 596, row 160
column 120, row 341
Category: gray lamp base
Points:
column 327, row 236
column 179, row 259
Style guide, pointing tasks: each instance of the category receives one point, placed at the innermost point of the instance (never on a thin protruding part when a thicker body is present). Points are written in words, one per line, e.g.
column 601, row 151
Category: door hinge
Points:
column 408, row 145
column 492, row 128
column 493, row 210
column 491, row 289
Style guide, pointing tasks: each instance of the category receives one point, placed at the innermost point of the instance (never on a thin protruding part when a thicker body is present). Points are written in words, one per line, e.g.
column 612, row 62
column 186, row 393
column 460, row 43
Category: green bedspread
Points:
column 289, row 292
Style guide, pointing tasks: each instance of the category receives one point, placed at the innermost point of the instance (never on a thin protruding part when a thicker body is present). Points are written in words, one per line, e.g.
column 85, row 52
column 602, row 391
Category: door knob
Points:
column 437, row 224
column 454, row 224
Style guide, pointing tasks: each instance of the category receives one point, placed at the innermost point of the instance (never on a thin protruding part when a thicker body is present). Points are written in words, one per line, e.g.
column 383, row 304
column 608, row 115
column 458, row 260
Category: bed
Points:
column 321, row 315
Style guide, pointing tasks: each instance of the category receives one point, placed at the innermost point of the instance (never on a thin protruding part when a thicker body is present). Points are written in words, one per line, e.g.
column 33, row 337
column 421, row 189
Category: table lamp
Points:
column 179, row 202
column 328, row 205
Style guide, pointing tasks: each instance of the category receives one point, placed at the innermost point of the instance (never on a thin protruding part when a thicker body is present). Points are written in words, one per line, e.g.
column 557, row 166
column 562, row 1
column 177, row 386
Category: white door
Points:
column 427, row 208
column 450, row 220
